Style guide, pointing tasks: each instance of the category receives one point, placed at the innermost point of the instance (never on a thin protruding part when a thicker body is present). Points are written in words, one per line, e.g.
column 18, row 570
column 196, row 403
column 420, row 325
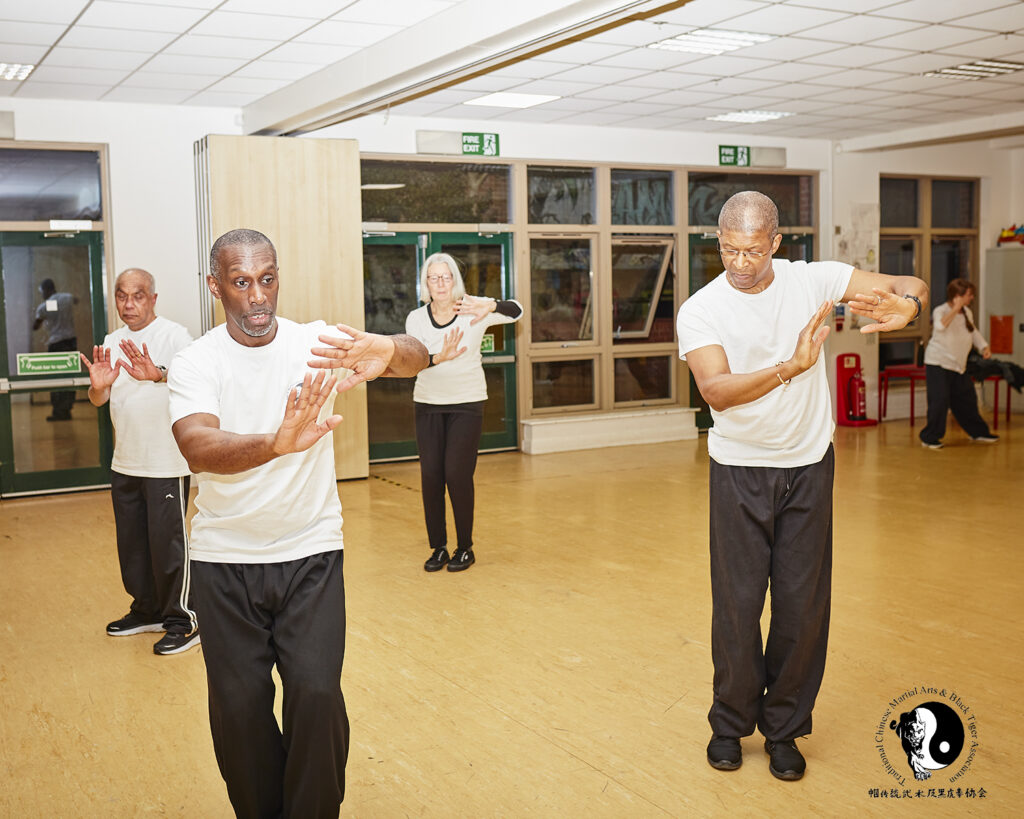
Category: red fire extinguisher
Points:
column 856, row 398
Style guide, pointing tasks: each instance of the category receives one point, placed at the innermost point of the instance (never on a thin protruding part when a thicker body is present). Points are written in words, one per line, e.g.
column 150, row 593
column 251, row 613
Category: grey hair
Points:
column 242, row 237
column 458, row 285
column 146, row 276
column 749, row 212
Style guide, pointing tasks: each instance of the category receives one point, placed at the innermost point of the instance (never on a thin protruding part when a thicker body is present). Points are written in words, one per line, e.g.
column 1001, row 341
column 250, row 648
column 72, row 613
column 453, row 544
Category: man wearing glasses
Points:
column 752, row 338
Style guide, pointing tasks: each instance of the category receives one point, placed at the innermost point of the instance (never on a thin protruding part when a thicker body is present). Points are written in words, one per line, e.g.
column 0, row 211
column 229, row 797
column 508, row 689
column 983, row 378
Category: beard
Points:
column 256, row 330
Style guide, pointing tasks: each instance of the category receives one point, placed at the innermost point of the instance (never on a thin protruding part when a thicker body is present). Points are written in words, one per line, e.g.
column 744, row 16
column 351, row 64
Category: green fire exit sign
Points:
column 738, row 155
column 480, row 144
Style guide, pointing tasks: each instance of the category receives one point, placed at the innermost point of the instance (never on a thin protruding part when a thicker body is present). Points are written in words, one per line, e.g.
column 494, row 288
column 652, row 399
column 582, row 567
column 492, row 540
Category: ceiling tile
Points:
column 335, row 32
column 586, row 52
column 919, row 63
column 252, row 26
column 849, row 6
column 860, row 29
column 617, row 93
column 488, row 83
column 859, row 77
column 725, row 65
column 638, row 33
column 780, row 19
column 802, row 90
column 643, row 108
column 938, row 11
column 930, row 38
column 858, row 56
column 157, row 96
column 183, row 64
column 576, row 104
column 929, row 85
column 82, row 76
column 13, row 53
column 667, row 79
column 192, row 4
column 50, row 11
column 1007, row 18
column 32, row 33
column 838, row 95
column 272, row 69
column 203, row 45
column 106, row 14
column 683, row 97
column 60, row 91
column 473, row 112
column 530, row 69
column 114, row 39
column 415, row 108
column 249, row 85
column 407, row 12
column 318, row 9
column 787, row 48
column 310, row 53
column 709, row 12
column 989, row 47
column 733, row 85
column 222, row 99
column 905, row 101
column 806, row 106
column 1011, row 93
column 184, row 82
column 597, row 74
column 788, row 72
column 554, row 86
column 96, row 58
column 594, row 118
column 532, row 115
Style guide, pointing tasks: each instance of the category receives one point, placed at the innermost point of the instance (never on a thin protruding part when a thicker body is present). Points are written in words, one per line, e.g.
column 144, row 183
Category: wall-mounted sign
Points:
column 487, row 343
column 480, row 144
column 738, row 155
column 48, row 363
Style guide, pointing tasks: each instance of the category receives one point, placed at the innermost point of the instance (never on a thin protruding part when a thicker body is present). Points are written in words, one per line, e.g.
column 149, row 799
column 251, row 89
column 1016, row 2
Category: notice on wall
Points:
column 737, row 155
column 480, row 144
column 49, row 363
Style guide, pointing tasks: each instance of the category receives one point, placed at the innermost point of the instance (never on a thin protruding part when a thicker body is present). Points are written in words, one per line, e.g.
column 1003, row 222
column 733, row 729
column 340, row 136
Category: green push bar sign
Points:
column 738, row 155
column 479, row 144
column 48, row 364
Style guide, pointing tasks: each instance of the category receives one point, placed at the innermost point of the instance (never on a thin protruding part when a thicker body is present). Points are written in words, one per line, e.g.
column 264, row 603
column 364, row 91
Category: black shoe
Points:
column 785, row 760
column 133, row 624
column 986, row 439
column 724, row 753
column 436, row 560
column 175, row 642
column 461, row 560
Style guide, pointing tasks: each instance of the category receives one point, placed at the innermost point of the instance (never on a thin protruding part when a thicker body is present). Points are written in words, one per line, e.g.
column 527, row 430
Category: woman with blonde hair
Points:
column 449, row 398
column 945, row 359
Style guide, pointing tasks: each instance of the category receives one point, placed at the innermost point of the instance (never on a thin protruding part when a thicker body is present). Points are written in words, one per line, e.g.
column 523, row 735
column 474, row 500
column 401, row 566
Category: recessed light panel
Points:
column 507, row 99
column 750, row 116
column 711, row 41
column 980, row 70
column 15, row 71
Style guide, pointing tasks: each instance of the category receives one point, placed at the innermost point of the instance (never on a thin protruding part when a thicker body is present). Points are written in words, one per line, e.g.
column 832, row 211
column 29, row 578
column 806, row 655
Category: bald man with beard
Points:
column 752, row 338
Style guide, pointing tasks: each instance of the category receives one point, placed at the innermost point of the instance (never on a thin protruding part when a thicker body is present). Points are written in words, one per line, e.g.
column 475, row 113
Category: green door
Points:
column 706, row 264
column 391, row 265
column 51, row 307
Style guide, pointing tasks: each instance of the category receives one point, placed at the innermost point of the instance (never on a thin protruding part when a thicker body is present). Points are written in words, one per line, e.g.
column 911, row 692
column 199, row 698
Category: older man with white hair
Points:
column 149, row 479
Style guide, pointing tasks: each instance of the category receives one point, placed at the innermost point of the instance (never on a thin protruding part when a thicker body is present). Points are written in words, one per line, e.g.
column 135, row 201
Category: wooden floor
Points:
column 568, row 673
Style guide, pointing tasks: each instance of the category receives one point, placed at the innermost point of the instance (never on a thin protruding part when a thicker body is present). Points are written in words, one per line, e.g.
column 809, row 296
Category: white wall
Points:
column 152, row 205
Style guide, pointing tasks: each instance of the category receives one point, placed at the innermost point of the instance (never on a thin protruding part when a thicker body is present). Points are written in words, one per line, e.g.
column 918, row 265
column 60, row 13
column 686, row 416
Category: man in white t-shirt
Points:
column 55, row 314
column 149, row 478
column 752, row 339
column 254, row 425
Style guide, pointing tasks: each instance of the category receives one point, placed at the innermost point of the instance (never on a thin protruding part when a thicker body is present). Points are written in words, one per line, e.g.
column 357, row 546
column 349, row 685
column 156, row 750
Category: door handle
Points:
column 42, row 384
column 499, row 359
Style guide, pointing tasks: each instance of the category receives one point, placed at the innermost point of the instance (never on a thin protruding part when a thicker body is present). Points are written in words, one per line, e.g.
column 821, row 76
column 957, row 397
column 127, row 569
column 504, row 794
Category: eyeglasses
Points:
column 435, row 279
column 753, row 255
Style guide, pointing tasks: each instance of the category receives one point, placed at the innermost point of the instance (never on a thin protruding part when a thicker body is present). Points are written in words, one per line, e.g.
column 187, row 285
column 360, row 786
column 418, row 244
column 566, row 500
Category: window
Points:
column 639, row 268
column 953, row 203
column 561, row 278
column 563, row 383
column 899, row 203
column 39, row 185
column 642, row 378
column 641, row 197
column 561, row 196
column 793, row 194
column 438, row 192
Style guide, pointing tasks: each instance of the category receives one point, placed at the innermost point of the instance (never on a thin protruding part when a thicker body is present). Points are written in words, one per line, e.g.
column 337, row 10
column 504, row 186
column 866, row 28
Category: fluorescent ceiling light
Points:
column 711, row 41
column 978, row 70
column 15, row 71
column 507, row 99
column 750, row 116
column 382, row 186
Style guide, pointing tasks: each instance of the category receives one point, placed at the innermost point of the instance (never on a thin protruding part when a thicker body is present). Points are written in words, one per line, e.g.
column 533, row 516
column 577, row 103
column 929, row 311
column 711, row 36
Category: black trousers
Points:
column 152, row 547
column 448, row 440
column 64, row 400
column 946, row 391
column 772, row 526
column 292, row 615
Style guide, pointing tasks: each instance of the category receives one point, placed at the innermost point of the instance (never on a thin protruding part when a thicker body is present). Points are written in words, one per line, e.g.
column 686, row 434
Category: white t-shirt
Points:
column 58, row 317
column 460, row 380
column 286, row 509
column 949, row 346
column 787, row 427
column 144, row 446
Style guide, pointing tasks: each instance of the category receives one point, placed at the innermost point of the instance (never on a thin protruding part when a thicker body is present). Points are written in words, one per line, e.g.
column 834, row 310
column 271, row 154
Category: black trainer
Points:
column 175, row 642
column 133, row 624
column 785, row 760
column 724, row 753
column 461, row 560
column 436, row 560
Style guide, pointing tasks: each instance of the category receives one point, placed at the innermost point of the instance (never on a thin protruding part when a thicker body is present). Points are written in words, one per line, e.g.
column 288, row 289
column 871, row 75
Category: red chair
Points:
column 915, row 374
column 995, row 379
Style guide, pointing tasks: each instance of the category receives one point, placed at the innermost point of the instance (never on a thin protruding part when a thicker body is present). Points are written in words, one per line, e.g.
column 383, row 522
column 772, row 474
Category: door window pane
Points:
column 48, row 299
column 483, row 271
column 44, row 446
column 560, row 290
column 793, row 195
column 953, row 203
column 639, row 273
column 561, row 196
column 37, row 185
column 643, row 378
column 898, row 202
column 641, row 197
column 390, row 275
column 563, row 383
column 494, row 407
column 441, row 192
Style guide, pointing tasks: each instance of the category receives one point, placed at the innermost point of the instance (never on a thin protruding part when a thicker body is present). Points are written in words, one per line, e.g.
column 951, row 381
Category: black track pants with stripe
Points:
column 152, row 546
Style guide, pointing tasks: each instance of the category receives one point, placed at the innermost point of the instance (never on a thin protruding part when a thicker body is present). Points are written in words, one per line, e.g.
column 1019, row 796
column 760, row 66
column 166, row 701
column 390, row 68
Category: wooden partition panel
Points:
column 304, row 195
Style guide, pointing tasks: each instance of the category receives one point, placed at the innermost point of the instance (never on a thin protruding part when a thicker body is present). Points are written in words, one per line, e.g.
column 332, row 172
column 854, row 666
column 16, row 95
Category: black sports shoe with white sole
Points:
column 133, row 624
column 461, row 560
column 175, row 642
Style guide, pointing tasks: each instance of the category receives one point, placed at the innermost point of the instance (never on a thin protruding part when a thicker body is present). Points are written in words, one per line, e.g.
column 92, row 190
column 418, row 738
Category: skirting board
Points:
column 649, row 426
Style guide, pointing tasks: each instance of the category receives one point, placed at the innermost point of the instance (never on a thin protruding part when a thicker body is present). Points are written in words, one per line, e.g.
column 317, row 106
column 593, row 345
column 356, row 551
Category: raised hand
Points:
column 475, row 306
column 890, row 312
column 102, row 374
column 808, row 343
column 300, row 428
column 366, row 354
column 140, row 366
column 450, row 349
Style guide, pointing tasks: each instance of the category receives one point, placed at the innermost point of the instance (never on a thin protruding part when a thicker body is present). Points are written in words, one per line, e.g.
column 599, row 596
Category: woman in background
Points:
column 449, row 398
column 945, row 358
